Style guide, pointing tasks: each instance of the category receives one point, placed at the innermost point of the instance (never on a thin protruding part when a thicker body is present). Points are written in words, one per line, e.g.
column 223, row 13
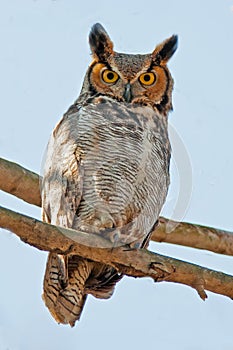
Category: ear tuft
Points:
column 100, row 43
column 164, row 51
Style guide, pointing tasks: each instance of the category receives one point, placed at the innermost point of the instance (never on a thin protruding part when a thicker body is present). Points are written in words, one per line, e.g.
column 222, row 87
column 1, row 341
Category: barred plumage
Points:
column 107, row 167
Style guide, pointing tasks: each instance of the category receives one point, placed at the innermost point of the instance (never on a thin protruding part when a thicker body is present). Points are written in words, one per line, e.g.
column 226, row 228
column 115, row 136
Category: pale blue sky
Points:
column 44, row 55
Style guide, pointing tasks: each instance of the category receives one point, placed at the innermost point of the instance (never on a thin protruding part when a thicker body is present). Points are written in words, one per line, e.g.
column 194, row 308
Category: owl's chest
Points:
column 123, row 152
column 118, row 135
column 123, row 165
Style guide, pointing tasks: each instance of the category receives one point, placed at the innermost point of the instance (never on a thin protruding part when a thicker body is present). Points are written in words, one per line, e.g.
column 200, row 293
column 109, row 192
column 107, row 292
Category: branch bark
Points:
column 25, row 184
column 20, row 182
column 136, row 263
column 195, row 236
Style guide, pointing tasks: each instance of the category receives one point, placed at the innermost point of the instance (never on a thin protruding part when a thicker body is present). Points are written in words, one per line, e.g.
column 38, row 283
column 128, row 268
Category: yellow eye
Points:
column 147, row 78
column 109, row 76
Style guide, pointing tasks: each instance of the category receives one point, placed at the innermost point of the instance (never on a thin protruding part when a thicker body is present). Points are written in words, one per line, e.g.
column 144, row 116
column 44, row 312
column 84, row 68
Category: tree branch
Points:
column 193, row 235
column 25, row 184
column 20, row 182
column 136, row 263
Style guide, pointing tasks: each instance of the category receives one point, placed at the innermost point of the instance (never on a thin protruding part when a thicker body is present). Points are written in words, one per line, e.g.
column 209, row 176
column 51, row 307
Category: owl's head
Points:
column 138, row 79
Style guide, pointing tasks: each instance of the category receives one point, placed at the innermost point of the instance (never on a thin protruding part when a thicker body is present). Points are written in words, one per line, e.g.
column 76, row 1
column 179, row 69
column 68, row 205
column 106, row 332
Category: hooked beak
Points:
column 127, row 93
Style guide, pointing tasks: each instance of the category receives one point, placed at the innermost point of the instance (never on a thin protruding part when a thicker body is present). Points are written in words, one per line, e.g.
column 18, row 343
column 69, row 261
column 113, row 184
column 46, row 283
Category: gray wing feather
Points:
column 62, row 184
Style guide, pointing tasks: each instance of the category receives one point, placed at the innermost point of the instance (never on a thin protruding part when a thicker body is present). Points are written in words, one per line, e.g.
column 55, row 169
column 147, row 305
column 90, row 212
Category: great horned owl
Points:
column 107, row 166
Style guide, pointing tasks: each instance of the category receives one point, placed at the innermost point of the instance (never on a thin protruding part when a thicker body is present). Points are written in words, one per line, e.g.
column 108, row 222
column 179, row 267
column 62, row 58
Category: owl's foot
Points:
column 133, row 246
column 113, row 235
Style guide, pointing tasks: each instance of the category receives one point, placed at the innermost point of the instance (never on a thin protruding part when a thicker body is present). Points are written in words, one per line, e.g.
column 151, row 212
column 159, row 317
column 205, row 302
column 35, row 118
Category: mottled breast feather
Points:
column 118, row 160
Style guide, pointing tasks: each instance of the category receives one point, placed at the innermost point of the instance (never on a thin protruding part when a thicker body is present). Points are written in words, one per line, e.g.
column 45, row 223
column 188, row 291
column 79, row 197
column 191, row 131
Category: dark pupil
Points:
column 110, row 75
column 147, row 77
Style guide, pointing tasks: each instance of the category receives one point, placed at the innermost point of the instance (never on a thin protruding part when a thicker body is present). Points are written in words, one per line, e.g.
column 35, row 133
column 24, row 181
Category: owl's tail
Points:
column 67, row 282
column 64, row 293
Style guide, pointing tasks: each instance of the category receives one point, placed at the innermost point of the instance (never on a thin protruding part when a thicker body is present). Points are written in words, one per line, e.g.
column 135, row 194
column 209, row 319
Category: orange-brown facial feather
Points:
column 148, row 93
column 155, row 91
